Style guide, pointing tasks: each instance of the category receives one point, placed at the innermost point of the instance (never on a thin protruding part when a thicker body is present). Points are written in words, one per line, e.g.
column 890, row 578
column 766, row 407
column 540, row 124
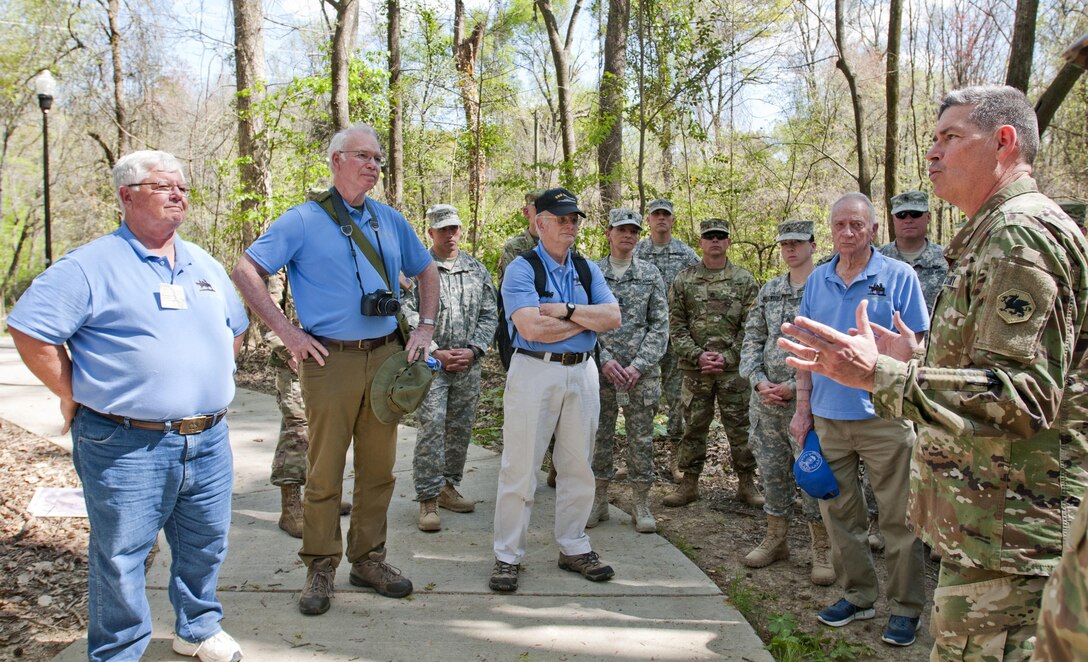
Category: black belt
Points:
column 566, row 358
column 190, row 425
column 365, row 344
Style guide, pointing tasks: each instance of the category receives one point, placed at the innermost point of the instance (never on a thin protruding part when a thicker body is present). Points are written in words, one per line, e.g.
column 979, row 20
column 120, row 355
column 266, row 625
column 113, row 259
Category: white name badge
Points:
column 172, row 297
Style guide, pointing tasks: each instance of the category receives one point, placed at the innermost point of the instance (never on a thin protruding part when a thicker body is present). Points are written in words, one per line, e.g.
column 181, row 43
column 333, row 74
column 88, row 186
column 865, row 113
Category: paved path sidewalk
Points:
column 659, row 606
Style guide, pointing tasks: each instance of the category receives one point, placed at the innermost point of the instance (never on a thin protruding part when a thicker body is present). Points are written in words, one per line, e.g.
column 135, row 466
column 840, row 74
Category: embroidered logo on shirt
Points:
column 877, row 289
column 1016, row 306
column 205, row 286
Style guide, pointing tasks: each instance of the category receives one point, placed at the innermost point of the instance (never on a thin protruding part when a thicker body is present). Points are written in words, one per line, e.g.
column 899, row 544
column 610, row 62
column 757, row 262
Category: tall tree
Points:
column 343, row 44
column 560, row 47
column 253, row 150
column 466, row 54
column 113, row 151
column 1059, row 88
column 864, row 178
column 610, row 111
column 394, row 176
column 891, row 97
column 1022, row 48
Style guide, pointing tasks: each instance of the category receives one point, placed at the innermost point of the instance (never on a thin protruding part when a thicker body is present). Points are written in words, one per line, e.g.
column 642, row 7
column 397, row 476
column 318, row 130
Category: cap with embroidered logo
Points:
column 714, row 225
column 660, row 203
column 910, row 201
column 558, row 201
column 624, row 216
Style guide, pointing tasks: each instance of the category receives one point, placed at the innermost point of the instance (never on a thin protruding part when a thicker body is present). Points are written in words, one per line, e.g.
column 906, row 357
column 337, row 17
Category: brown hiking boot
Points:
column 551, row 475
column 375, row 573
column 504, row 577
column 450, row 499
column 823, row 574
column 291, row 510
column 774, row 546
column 428, row 516
column 599, row 512
column 686, row 492
column 747, row 490
column 316, row 597
column 876, row 538
column 588, row 565
column 641, row 515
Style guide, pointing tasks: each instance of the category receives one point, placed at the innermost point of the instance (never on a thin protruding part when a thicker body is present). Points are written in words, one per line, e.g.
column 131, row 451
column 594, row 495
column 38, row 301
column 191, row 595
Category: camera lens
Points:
column 389, row 306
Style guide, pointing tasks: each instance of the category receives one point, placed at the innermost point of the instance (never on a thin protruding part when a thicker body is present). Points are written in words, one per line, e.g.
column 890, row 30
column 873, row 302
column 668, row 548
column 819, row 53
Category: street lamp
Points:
column 46, row 87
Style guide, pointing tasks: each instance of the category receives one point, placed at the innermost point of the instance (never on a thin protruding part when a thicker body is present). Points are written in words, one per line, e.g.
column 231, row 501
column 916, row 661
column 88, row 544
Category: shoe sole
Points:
column 429, row 528
column 892, row 642
column 234, row 658
column 314, row 612
column 502, row 588
column 457, row 509
column 859, row 615
column 361, row 583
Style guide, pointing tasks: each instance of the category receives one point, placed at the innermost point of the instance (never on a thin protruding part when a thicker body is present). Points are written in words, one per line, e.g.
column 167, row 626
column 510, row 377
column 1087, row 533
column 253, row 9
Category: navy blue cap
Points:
column 812, row 473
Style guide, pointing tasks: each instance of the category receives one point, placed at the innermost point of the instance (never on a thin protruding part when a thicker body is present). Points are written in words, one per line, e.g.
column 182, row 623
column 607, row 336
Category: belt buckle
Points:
column 192, row 425
column 570, row 358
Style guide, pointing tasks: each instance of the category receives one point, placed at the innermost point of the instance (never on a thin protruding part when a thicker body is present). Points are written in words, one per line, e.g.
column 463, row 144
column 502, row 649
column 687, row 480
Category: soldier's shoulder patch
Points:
column 1015, row 306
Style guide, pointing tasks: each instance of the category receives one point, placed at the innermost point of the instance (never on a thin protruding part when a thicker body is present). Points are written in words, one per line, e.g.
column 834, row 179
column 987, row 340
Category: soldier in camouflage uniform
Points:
column 463, row 330
column 1063, row 623
column 910, row 214
column 1076, row 210
column 527, row 240
column 772, row 405
column 708, row 304
column 1001, row 396
column 670, row 256
column 630, row 376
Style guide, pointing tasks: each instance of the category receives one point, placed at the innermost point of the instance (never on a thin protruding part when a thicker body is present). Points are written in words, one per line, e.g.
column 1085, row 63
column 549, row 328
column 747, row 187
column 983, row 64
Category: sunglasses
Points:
column 716, row 236
column 912, row 213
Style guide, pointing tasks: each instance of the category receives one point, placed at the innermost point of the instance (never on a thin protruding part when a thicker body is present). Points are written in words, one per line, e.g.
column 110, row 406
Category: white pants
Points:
column 542, row 398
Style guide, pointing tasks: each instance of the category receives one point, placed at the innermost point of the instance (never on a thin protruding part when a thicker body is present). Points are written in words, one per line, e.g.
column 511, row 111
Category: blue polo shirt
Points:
column 889, row 285
column 322, row 271
column 519, row 291
column 130, row 355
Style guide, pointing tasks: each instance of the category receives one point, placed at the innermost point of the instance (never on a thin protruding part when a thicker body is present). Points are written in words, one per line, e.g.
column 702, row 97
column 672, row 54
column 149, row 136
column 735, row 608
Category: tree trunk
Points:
column 642, row 121
column 343, row 44
column 610, row 151
column 561, row 56
column 119, row 115
column 1077, row 55
column 891, row 95
column 253, row 149
column 466, row 53
column 394, row 177
column 1022, row 47
column 865, row 180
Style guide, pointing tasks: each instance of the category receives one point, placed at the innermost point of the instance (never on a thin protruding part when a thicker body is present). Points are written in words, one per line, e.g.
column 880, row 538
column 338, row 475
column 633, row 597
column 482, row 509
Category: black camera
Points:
column 380, row 303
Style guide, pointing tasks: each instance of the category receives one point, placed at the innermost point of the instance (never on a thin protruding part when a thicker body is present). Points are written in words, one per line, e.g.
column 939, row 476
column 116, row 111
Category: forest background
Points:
column 756, row 111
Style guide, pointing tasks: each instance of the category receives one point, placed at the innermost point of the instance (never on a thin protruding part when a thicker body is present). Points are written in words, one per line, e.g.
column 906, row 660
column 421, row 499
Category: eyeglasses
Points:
column 166, row 188
column 912, row 213
column 715, row 236
column 360, row 155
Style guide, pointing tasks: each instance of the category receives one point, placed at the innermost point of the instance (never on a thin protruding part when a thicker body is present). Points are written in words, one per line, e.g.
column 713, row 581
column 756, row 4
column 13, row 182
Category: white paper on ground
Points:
column 58, row 502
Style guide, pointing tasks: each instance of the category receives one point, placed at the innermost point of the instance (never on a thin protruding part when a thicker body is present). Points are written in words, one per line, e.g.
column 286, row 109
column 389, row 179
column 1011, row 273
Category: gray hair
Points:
column 999, row 105
column 340, row 138
column 855, row 196
column 135, row 167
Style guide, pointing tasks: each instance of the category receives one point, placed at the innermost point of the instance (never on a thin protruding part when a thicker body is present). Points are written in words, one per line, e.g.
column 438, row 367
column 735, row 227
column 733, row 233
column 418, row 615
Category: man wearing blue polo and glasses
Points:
column 152, row 325
column 552, row 387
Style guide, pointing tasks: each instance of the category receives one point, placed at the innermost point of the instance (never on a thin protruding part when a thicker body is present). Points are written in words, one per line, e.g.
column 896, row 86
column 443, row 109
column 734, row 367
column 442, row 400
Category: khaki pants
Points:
column 886, row 447
column 337, row 397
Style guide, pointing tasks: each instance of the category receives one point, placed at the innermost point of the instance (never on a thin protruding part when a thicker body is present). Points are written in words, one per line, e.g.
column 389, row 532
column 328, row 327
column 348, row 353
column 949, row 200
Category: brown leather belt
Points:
column 365, row 345
column 566, row 358
column 190, row 425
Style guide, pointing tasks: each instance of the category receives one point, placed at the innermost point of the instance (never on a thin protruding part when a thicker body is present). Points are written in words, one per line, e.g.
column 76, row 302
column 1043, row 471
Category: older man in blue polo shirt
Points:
column 552, row 387
column 850, row 430
column 331, row 247
column 136, row 332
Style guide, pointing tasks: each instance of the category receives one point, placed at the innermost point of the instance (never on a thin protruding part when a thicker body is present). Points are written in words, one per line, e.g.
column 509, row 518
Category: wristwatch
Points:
column 426, row 320
column 570, row 310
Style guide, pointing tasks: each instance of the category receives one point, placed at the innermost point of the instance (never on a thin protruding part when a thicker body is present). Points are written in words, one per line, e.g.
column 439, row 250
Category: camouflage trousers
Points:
column 984, row 615
column 697, row 397
column 446, row 419
column 638, row 417
column 774, row 450
column 1063, row 629
column 671, row 382
column 289, row 462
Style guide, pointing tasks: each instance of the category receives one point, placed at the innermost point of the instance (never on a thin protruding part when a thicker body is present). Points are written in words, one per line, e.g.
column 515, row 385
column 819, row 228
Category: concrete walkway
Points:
column 659, row 606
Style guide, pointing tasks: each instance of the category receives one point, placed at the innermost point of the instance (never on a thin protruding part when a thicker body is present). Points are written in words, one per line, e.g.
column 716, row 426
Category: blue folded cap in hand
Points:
column 811, row 471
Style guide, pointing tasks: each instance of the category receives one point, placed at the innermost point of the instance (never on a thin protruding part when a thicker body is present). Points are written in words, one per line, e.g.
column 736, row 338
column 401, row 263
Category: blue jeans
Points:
column 136, row 482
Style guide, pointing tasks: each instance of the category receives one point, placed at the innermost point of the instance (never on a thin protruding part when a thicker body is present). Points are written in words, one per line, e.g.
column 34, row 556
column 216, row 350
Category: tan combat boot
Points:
column 822, row 572
column 450, row 499
column 428, row 515
column 876, row 538
column 291, row 509
column 747, row 490
column 774, row 547
column 641, row 516
column 599, row 512
column 686, row 492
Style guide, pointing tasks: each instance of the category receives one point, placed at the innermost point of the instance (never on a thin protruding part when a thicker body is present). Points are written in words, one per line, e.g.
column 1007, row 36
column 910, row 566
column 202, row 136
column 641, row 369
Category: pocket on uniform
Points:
column 987, row 607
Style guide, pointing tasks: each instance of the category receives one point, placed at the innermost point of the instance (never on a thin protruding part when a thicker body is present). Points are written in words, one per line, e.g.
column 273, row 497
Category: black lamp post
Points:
column 46, row 87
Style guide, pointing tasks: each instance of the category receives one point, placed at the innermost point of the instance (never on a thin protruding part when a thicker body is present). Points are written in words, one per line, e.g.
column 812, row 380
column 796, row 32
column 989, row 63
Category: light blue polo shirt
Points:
column 131, row 356
column 519, row 291
column 889, row 285
column 321, row 270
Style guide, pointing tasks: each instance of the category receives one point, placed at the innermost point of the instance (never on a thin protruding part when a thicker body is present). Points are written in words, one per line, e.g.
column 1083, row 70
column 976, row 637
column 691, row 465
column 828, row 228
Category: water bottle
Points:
column 434, row 364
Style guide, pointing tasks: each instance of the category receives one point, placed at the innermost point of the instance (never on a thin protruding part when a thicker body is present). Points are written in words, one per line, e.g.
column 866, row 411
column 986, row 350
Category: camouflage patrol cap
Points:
column 796, row 231
column 714, row 225
column 660, row 203
column 910, row 201
column 441, row 216
column 624, row 216
column 1075, row 209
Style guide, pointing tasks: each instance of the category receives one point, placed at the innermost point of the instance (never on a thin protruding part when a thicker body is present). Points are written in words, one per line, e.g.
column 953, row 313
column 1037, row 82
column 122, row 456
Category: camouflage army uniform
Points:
column 707, row 309
column 760, row 359
column 639, row 342
column 930, row 266
column 1063, row 629
column 670, row 260
column 1000, row 401
column 289, row 460
column 514, row 247
column 466, row 318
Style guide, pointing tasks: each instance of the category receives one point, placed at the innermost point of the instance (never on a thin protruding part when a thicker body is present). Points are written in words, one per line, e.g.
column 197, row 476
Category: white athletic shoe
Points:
column 220, row 647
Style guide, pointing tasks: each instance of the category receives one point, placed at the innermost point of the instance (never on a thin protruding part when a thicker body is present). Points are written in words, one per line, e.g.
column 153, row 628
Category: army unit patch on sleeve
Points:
column 1018, row 299
column 1015, row 306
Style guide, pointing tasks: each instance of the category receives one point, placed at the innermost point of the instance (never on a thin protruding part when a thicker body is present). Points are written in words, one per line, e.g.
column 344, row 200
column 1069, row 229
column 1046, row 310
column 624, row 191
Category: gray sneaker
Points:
column 316, row 597
column 504, row 577
column 375, row 573
column 588, row 565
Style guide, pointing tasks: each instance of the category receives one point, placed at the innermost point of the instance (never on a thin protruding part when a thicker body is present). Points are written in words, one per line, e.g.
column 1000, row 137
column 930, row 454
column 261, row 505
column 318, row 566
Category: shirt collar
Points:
column 181, row 253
